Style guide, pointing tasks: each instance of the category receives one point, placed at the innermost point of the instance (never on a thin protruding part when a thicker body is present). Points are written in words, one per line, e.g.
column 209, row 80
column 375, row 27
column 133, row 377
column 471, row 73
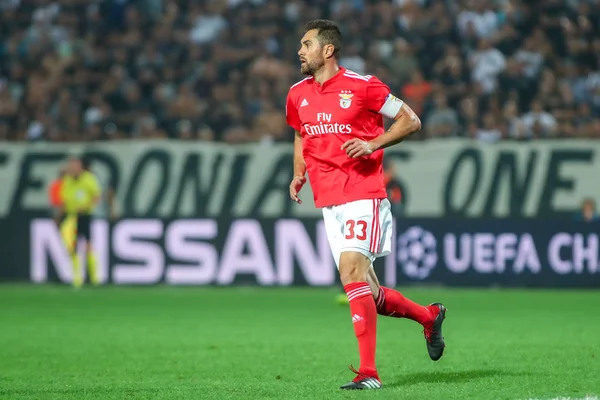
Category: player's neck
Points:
column 326, row 72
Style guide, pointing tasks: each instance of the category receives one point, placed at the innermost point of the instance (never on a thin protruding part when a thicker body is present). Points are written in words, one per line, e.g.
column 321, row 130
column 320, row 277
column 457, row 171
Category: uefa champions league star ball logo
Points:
column 417, row 252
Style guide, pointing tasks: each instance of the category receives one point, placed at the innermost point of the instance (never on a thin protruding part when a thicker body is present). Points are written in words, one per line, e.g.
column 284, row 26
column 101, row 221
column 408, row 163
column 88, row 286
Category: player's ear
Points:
column 329, row 50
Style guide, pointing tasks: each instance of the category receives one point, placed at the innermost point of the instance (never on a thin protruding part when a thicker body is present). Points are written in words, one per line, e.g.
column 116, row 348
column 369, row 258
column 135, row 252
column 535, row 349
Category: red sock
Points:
column 392, row 303
column 364, row 318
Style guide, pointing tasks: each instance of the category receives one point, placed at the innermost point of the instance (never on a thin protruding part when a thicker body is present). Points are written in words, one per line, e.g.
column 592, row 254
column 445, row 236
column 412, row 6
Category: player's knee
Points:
column 354, row 267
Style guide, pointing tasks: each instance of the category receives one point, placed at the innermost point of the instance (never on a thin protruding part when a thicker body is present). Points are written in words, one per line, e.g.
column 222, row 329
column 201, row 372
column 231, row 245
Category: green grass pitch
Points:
column 251, row 343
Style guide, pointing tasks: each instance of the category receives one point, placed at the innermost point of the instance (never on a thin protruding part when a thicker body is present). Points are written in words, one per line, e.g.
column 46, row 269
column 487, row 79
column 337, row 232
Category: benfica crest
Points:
column 345, row 98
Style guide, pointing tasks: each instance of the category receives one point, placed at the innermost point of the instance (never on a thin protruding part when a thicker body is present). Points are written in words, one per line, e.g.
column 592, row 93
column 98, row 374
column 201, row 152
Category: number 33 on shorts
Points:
column 356, row 229
column 364, row 226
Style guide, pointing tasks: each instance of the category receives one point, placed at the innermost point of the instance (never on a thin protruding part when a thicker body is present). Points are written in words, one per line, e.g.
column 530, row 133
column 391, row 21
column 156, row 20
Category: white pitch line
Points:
column 571, row 398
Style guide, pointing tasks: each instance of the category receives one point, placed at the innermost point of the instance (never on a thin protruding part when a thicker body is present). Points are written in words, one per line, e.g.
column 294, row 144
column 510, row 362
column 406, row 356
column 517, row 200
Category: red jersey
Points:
column 344, row 107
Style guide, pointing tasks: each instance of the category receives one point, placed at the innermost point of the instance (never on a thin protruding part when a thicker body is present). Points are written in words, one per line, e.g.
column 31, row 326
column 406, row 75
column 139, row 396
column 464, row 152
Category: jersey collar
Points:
column 331, row 80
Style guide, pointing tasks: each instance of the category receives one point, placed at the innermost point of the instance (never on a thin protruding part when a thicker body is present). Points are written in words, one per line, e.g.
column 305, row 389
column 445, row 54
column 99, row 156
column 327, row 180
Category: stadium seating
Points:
column 219, row 70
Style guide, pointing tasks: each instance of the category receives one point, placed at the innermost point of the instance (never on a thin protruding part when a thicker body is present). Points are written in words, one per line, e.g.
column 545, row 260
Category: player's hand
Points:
column 295, row 188
column 357, row 148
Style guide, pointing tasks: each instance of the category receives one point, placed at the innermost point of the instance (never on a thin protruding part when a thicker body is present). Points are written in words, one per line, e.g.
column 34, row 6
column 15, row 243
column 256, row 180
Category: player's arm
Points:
column 299, row 169
column 406, row 123
column 293, row 119
column 93, row 188
column 62, row 209
column 379, row 99
column 299, row 164
column 54, row 197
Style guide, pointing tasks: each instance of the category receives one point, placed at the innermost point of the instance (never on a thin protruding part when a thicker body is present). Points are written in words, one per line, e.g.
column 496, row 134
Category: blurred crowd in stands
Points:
column 220, row 69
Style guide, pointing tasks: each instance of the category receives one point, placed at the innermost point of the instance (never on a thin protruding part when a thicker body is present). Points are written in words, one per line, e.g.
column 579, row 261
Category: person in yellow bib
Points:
column 80, row 193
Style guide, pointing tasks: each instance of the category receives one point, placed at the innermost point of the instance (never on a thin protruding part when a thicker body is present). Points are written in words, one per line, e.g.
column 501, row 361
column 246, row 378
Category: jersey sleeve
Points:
column 380, row 99
column 93, row 186
column 291, row 113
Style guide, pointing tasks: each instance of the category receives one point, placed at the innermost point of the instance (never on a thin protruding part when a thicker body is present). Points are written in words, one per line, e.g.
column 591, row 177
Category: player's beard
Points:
column 310, row 68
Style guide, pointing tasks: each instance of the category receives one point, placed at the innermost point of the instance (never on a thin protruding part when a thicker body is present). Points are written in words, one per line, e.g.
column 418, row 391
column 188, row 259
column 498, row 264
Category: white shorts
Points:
column 363, row 226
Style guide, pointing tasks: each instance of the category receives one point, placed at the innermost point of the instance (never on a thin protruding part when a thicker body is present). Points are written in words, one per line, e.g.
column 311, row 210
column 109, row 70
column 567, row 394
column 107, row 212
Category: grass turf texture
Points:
column 213, row 343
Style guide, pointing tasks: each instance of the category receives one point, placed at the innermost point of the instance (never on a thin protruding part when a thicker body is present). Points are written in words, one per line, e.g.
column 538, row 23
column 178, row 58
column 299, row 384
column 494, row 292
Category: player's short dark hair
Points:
column 327, row 33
